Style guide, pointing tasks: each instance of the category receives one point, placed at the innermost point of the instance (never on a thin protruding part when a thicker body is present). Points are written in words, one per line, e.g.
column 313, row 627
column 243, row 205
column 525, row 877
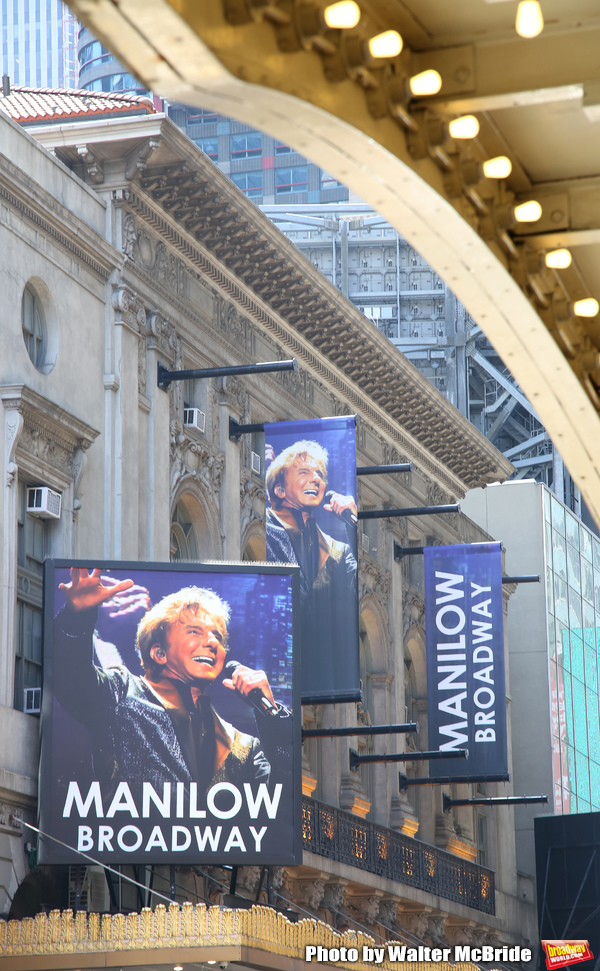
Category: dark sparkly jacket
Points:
column 135, row 736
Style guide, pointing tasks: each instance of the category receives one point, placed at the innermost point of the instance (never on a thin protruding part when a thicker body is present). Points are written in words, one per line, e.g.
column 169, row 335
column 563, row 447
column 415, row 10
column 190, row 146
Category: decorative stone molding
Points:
column 365, row 906
column 129, row 310
column 436, row 927
column 94, row 168
column 11, row 817
column 252, row 503
column 353, row 797
column 307, row 893
column 466, row 851
column 416, row 923
column 13, row 426
column 374, row 582
column 334, row 896
column 138, row 159
column 50, row 435
column 402, row 815
column 388, row 913
column 195, row 460
column 152, row 255
column 309, row 784
column 460, row 933
column 413, row 611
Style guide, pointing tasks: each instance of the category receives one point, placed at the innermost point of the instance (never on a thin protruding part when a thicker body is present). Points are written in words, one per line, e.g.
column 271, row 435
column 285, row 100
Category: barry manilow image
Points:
column 311, row 520
column 187, row 693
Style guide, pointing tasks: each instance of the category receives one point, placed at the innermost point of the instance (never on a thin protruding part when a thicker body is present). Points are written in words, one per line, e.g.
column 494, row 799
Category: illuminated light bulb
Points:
column 497, row 168
column 528, row 212
column 342, row 16
column 558, row 259
column 388, row 44
column 530, row 21
column 586, row 308
column 427, row 82
column 465, row 127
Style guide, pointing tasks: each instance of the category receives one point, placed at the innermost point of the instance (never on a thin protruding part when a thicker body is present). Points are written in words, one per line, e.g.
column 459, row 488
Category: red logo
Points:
column 561, row 953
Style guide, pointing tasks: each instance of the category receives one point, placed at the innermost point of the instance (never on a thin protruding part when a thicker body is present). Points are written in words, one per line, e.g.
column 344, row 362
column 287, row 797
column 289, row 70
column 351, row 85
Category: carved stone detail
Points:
column 334, row 895
column 366, row 907
column 191, row 459
column 416, row 923
column 459, row 934
column 413, row 611
column 129, row 310
column 94, row 168
column 308, row 893
column 436, row 927
column 13, row 426
column 388, row 913
column 374, row 581
column 252, row 497
column 11, row 817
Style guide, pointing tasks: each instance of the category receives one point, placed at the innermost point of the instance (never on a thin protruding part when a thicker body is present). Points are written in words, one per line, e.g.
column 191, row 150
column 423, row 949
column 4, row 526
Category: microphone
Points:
column 347, row 516
column 255, row 698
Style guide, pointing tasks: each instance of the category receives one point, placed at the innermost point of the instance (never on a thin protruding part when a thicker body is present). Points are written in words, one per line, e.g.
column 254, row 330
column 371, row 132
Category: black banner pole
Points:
column 356, row 759
column 331, row 699
column 449, row 780
column 360, row 730
column 415, row 511
column 165, row 377
column 384, row 469
column 448, row 803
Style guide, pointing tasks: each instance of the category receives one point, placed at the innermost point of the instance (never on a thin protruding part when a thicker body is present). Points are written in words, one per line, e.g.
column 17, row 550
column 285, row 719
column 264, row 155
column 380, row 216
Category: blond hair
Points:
column 181, row 606
column 294, row 455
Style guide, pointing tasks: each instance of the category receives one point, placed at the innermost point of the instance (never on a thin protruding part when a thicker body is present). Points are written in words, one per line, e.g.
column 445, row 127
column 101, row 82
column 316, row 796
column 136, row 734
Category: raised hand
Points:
column 339, row 504
column 245, row 680
column 87, row 590
column 121, row 604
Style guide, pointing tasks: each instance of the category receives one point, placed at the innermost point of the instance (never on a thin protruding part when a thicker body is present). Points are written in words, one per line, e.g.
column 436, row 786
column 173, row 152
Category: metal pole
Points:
column 384, row 469
column 356, row 759
column 531, row 578
column 448, row 780
column 165, row 377
column 491, row 801
column 331, row 699
column 415, row 511
column 360, row 730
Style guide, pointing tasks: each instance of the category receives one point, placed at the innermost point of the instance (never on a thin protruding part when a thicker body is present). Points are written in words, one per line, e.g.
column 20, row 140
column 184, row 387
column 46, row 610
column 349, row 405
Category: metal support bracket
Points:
column 166, row 377
column 414, row 511
column 448, row 803
column 357, row 760
column 360, row 730
column 449, row 780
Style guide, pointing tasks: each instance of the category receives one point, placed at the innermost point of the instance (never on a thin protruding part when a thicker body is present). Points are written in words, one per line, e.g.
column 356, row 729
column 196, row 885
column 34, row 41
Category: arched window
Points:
column 184, row 545
column 34, row 327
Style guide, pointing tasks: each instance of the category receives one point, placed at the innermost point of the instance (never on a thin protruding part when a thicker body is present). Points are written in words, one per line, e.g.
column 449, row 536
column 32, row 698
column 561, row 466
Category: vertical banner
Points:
column 170, row 722
column 466, row 698
column 312, row 522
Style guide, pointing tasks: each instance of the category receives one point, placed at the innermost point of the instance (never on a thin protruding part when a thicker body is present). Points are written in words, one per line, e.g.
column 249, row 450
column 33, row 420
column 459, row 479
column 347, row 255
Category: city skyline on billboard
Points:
column 311, row 521
column 170, row 723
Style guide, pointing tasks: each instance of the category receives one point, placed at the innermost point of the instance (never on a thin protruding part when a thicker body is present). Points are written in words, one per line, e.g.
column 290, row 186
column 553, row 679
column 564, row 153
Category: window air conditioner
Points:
column 43, row 502
column 32, row 701
column 194, row 418
column 255, row 462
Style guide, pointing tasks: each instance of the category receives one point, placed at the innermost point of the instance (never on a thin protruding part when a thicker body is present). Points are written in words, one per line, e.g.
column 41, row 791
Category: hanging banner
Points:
column 311, row 521
column 170, row 721
column 466, row 698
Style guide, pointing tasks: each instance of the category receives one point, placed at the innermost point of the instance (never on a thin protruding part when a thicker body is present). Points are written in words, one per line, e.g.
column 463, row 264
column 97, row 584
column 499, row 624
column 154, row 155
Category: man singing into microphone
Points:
column 162, row 727
column 296, row 483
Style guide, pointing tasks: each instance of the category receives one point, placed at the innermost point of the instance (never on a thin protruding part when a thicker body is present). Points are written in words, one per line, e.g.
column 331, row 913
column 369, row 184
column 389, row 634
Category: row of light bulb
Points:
column 345, row 15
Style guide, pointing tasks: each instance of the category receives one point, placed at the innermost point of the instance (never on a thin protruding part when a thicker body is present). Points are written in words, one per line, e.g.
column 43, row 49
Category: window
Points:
column 291, row 180
column 414, row 286
column 94, row 52
column 32, row 536
column 183, row 537
column 330, row 182
column 34, row 327
column 247, row 145
column 203, row 116
column 210, row 147
column 249, row 182
column 282, row 149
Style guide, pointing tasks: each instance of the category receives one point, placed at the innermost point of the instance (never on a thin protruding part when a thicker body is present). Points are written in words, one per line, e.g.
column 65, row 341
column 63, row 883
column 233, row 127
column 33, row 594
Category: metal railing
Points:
column 340, row 836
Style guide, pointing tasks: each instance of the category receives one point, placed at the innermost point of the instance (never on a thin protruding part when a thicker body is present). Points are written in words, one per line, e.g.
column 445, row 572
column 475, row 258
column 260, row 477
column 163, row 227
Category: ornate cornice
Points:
column 47, row 419
column 268, row 278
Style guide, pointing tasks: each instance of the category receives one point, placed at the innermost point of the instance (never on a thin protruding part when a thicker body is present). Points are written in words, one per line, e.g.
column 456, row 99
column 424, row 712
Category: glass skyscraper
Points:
column 39, row 39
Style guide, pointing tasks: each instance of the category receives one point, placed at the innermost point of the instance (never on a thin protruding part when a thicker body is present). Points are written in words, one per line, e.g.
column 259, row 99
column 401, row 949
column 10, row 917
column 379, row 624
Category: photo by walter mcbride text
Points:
column 170, row 731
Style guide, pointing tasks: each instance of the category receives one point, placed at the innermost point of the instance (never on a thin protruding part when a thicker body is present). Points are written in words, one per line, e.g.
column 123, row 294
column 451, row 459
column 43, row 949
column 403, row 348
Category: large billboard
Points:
column 311, row 521
column 466, row 698
column 170, row 723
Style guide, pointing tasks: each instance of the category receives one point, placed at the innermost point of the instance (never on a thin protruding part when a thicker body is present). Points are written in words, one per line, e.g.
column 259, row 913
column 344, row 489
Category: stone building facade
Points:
column 125, row 247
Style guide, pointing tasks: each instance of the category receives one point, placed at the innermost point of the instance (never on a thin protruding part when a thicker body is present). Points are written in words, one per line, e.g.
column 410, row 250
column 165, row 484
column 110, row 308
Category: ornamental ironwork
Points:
column 338, row 835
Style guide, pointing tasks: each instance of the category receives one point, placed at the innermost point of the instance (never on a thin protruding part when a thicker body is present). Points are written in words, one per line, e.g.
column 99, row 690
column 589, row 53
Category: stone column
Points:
column 13, row 426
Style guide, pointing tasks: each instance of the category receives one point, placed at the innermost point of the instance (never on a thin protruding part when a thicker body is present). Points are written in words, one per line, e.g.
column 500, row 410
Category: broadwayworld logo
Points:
column 561, row 953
